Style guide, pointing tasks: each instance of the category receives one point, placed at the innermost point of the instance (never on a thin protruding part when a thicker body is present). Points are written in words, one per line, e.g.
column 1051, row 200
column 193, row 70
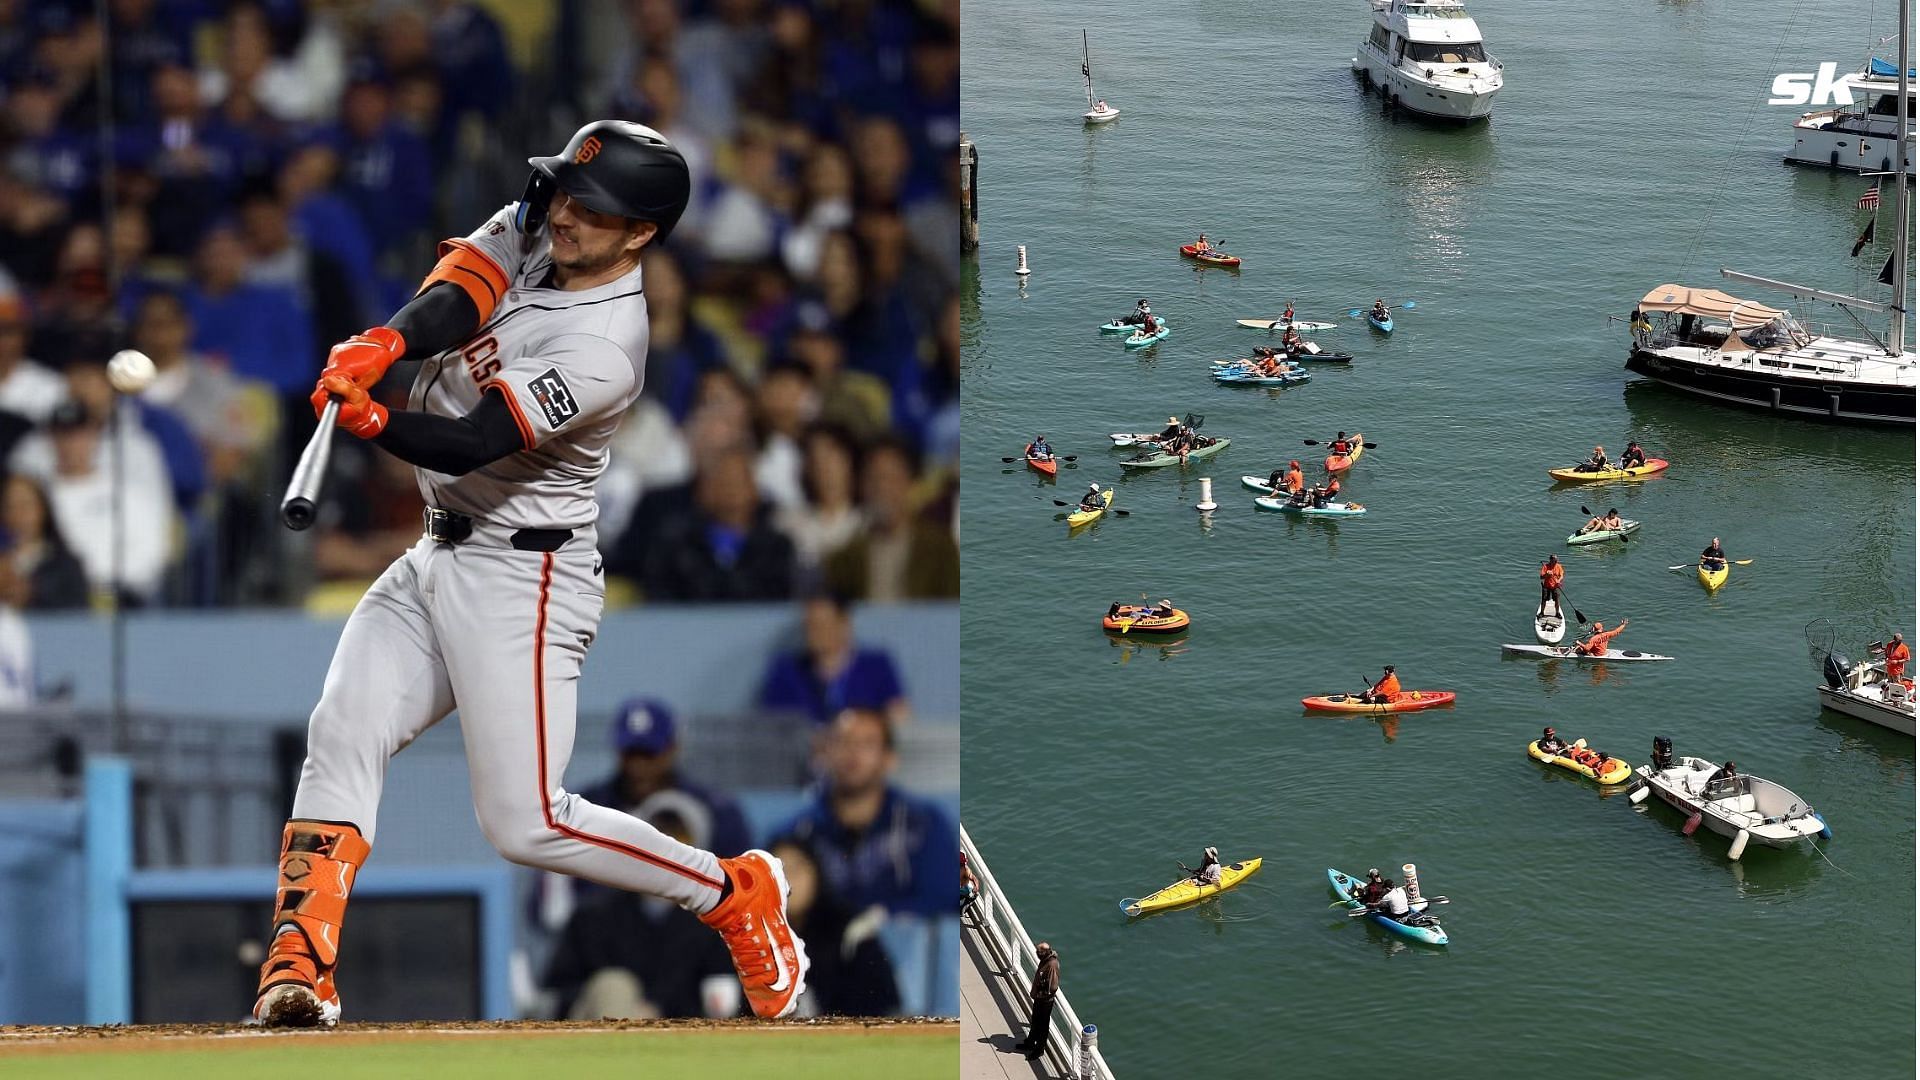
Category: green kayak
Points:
column 1604, row 534
column 1158, row 460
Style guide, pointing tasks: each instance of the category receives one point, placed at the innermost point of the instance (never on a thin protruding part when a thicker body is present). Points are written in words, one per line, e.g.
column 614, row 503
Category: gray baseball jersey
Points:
column 571, row 363
column 494, row 625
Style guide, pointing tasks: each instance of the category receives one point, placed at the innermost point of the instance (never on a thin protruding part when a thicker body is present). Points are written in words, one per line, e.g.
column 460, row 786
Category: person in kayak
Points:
column 1375, row 889
column 1141, row 313
column 1148, row 325
column 1173, row 430
column 1209, row 872
column 1714, row 558
column 1382, row 691
column 1632, row 456
column 1595, row 643
column 1379, row 313
column 1092, row 500
column 1292, row 342
column 1339, row 446
column 1551, row 576
column 1201, row 244
column 1897, row 656
column 1039, row 450
column 1394, row 903
column 1597, row 463
column 1551, row 742
column 1608, row 522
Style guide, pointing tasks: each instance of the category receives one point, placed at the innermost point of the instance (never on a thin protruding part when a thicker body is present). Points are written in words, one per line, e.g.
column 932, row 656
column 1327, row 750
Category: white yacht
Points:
column 1426, row 56
column 1864, row 136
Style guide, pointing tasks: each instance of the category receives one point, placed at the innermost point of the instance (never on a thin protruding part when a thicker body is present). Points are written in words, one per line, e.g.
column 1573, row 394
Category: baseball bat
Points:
column 296, row 510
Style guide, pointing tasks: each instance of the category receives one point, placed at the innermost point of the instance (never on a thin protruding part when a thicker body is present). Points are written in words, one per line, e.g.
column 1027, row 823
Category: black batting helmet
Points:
column 612, row 167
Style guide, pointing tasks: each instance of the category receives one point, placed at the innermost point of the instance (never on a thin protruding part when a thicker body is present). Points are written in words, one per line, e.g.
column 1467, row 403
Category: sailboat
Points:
column 1744, row 353
column 1098, row 111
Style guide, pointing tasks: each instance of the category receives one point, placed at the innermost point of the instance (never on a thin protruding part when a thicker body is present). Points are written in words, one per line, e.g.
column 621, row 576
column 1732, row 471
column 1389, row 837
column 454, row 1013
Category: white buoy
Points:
column 1089, row 1043
column 1206, row 503
column 1023, row 271
column 1413, row 881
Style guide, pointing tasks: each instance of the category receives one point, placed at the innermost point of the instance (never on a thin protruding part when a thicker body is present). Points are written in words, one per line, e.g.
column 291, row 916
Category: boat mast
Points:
column 1903, row 200
column 1086, row 67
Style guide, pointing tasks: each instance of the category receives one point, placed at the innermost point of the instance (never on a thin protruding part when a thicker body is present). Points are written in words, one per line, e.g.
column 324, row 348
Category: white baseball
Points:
column 130, row 371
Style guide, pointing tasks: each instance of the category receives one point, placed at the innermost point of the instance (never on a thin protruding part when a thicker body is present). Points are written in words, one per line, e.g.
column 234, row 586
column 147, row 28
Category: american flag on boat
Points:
column 1871, row 200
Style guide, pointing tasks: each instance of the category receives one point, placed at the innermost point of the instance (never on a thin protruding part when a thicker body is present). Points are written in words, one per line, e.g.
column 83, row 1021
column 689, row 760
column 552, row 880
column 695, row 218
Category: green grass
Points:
column 631, row 1055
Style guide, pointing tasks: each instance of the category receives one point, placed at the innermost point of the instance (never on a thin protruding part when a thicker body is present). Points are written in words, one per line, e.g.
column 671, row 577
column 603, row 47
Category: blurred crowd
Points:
column 231, row 186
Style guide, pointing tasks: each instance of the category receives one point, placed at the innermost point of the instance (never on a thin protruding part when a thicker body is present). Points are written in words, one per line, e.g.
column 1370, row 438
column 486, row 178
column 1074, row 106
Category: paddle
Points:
column 1431, row 901
column 1356, row 312
column 1691, row 565
column 1114, row 510
column 1590, row 516
column 1066, row 457
column 1316, row 442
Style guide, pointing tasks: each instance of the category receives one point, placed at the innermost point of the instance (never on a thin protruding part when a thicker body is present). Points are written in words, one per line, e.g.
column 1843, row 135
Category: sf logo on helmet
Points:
column 587, row 151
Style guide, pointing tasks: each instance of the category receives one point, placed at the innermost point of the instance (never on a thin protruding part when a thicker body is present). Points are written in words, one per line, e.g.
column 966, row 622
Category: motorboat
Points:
column 1426, row 56
column 1743, row 808
column 1861, row 690
column 1098, row 111
column 1866, row 135
column 1737, row 351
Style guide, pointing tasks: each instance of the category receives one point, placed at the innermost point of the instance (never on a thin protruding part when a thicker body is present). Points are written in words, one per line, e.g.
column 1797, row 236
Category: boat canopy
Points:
column 1884, row 69
column 1709, row 304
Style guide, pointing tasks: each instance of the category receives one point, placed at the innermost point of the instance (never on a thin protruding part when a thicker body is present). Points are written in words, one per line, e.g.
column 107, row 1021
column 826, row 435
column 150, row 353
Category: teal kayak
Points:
column 1158, row 460
column 1432, row 934
column 1247, row 377
column 1385, row 325
column 1137, row 340
column 1259, row 484
column 1286, row 506
column 1119, row 327
column 1604, row 534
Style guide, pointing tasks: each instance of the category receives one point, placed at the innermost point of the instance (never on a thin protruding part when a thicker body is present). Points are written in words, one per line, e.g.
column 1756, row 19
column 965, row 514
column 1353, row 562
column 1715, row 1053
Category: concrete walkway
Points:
column 993, row 1016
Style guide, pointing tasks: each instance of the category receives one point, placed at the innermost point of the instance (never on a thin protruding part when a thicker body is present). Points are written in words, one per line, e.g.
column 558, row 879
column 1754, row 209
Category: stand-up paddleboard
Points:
column 1550, row 625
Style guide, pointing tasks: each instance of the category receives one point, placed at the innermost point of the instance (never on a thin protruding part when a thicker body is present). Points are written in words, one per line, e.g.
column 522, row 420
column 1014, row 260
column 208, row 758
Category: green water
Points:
column 1590, row 938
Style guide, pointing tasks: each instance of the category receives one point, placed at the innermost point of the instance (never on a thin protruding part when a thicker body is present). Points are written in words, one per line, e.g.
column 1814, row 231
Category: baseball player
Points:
column 533, row 333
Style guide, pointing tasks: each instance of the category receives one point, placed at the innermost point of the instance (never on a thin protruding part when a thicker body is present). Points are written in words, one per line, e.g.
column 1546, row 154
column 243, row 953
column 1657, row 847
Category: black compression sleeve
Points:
column 455, row 445
column 438, row 319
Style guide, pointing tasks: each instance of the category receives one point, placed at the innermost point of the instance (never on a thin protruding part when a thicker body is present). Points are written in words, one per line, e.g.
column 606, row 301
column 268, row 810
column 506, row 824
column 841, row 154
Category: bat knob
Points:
column 297, row 513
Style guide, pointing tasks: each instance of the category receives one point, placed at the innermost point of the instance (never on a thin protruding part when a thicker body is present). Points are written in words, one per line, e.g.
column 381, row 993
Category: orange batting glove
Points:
column 359, row 413
column 366, row 356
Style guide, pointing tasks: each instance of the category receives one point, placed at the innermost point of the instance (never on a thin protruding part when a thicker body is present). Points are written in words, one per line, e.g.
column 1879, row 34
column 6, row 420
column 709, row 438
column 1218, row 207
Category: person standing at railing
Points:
column 1046, row 987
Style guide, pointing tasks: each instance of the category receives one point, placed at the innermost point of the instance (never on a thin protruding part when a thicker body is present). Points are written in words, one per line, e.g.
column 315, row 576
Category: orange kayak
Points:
column 1404, row 701
column 1213, row 258
column 1049, row 466
column 1342, row 462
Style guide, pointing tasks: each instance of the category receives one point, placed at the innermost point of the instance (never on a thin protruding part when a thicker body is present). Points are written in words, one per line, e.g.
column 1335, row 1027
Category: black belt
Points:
column 453, row 527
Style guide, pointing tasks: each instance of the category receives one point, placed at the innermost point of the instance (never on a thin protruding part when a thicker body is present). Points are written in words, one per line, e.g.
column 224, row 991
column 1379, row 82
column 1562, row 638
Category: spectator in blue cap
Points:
column 645, row 735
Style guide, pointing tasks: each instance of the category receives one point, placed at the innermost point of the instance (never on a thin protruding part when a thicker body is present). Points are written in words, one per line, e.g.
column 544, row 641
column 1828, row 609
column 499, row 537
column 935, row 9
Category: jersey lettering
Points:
column 555, row 398
column 483, row 359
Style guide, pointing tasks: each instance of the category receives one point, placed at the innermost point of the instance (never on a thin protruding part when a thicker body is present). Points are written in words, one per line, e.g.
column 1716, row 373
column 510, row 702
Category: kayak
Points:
column 1247, row 377
column 1274, row 323
column 1385, row 325
column 1301, row 357
column 1620, row 771
column 1566, row 652
column 1122, row 439
column 1185, row 891
column 1118, row 326
column 1432, row 934
column 1137, row 340
column 1341, row 462
column 1550, row 624
column 1598, row 535
column 1146, row 624
column 1637, row 472
column 1713, row 579
column 1211, row 258
column 1081, row 517
column 1045, row 466
column 1160, row 459
column 1259, row 483
column 1286, row 506
column 1404, row 701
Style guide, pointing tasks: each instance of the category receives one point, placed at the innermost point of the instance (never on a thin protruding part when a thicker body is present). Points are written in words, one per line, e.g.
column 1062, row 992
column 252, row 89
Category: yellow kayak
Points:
column 1713, row 579
column 1620, row 771
column 1577, row 475
column 1185, row 891
column 1081, row 517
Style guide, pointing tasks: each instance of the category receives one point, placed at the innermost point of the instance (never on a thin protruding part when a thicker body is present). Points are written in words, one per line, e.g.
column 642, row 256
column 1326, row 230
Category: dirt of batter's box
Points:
column 904, row 1025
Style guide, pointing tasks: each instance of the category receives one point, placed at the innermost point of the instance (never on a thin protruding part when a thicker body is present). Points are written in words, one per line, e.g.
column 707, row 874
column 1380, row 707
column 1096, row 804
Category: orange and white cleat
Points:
column 770, row 959
column 292, row 994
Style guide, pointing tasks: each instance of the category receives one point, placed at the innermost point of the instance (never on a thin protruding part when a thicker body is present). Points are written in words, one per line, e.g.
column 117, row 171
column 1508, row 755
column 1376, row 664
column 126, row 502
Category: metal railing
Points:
column 1070, row 1044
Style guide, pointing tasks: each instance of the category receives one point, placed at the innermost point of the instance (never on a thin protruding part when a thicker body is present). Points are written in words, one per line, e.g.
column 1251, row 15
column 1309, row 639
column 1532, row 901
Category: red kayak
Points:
column 1342, row 462
column 1049, row 466
column 1405, row 701
column 1211, row 258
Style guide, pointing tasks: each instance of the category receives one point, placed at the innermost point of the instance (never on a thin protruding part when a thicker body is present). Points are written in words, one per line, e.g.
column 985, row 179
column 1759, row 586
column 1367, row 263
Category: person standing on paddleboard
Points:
column 1551, row 576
